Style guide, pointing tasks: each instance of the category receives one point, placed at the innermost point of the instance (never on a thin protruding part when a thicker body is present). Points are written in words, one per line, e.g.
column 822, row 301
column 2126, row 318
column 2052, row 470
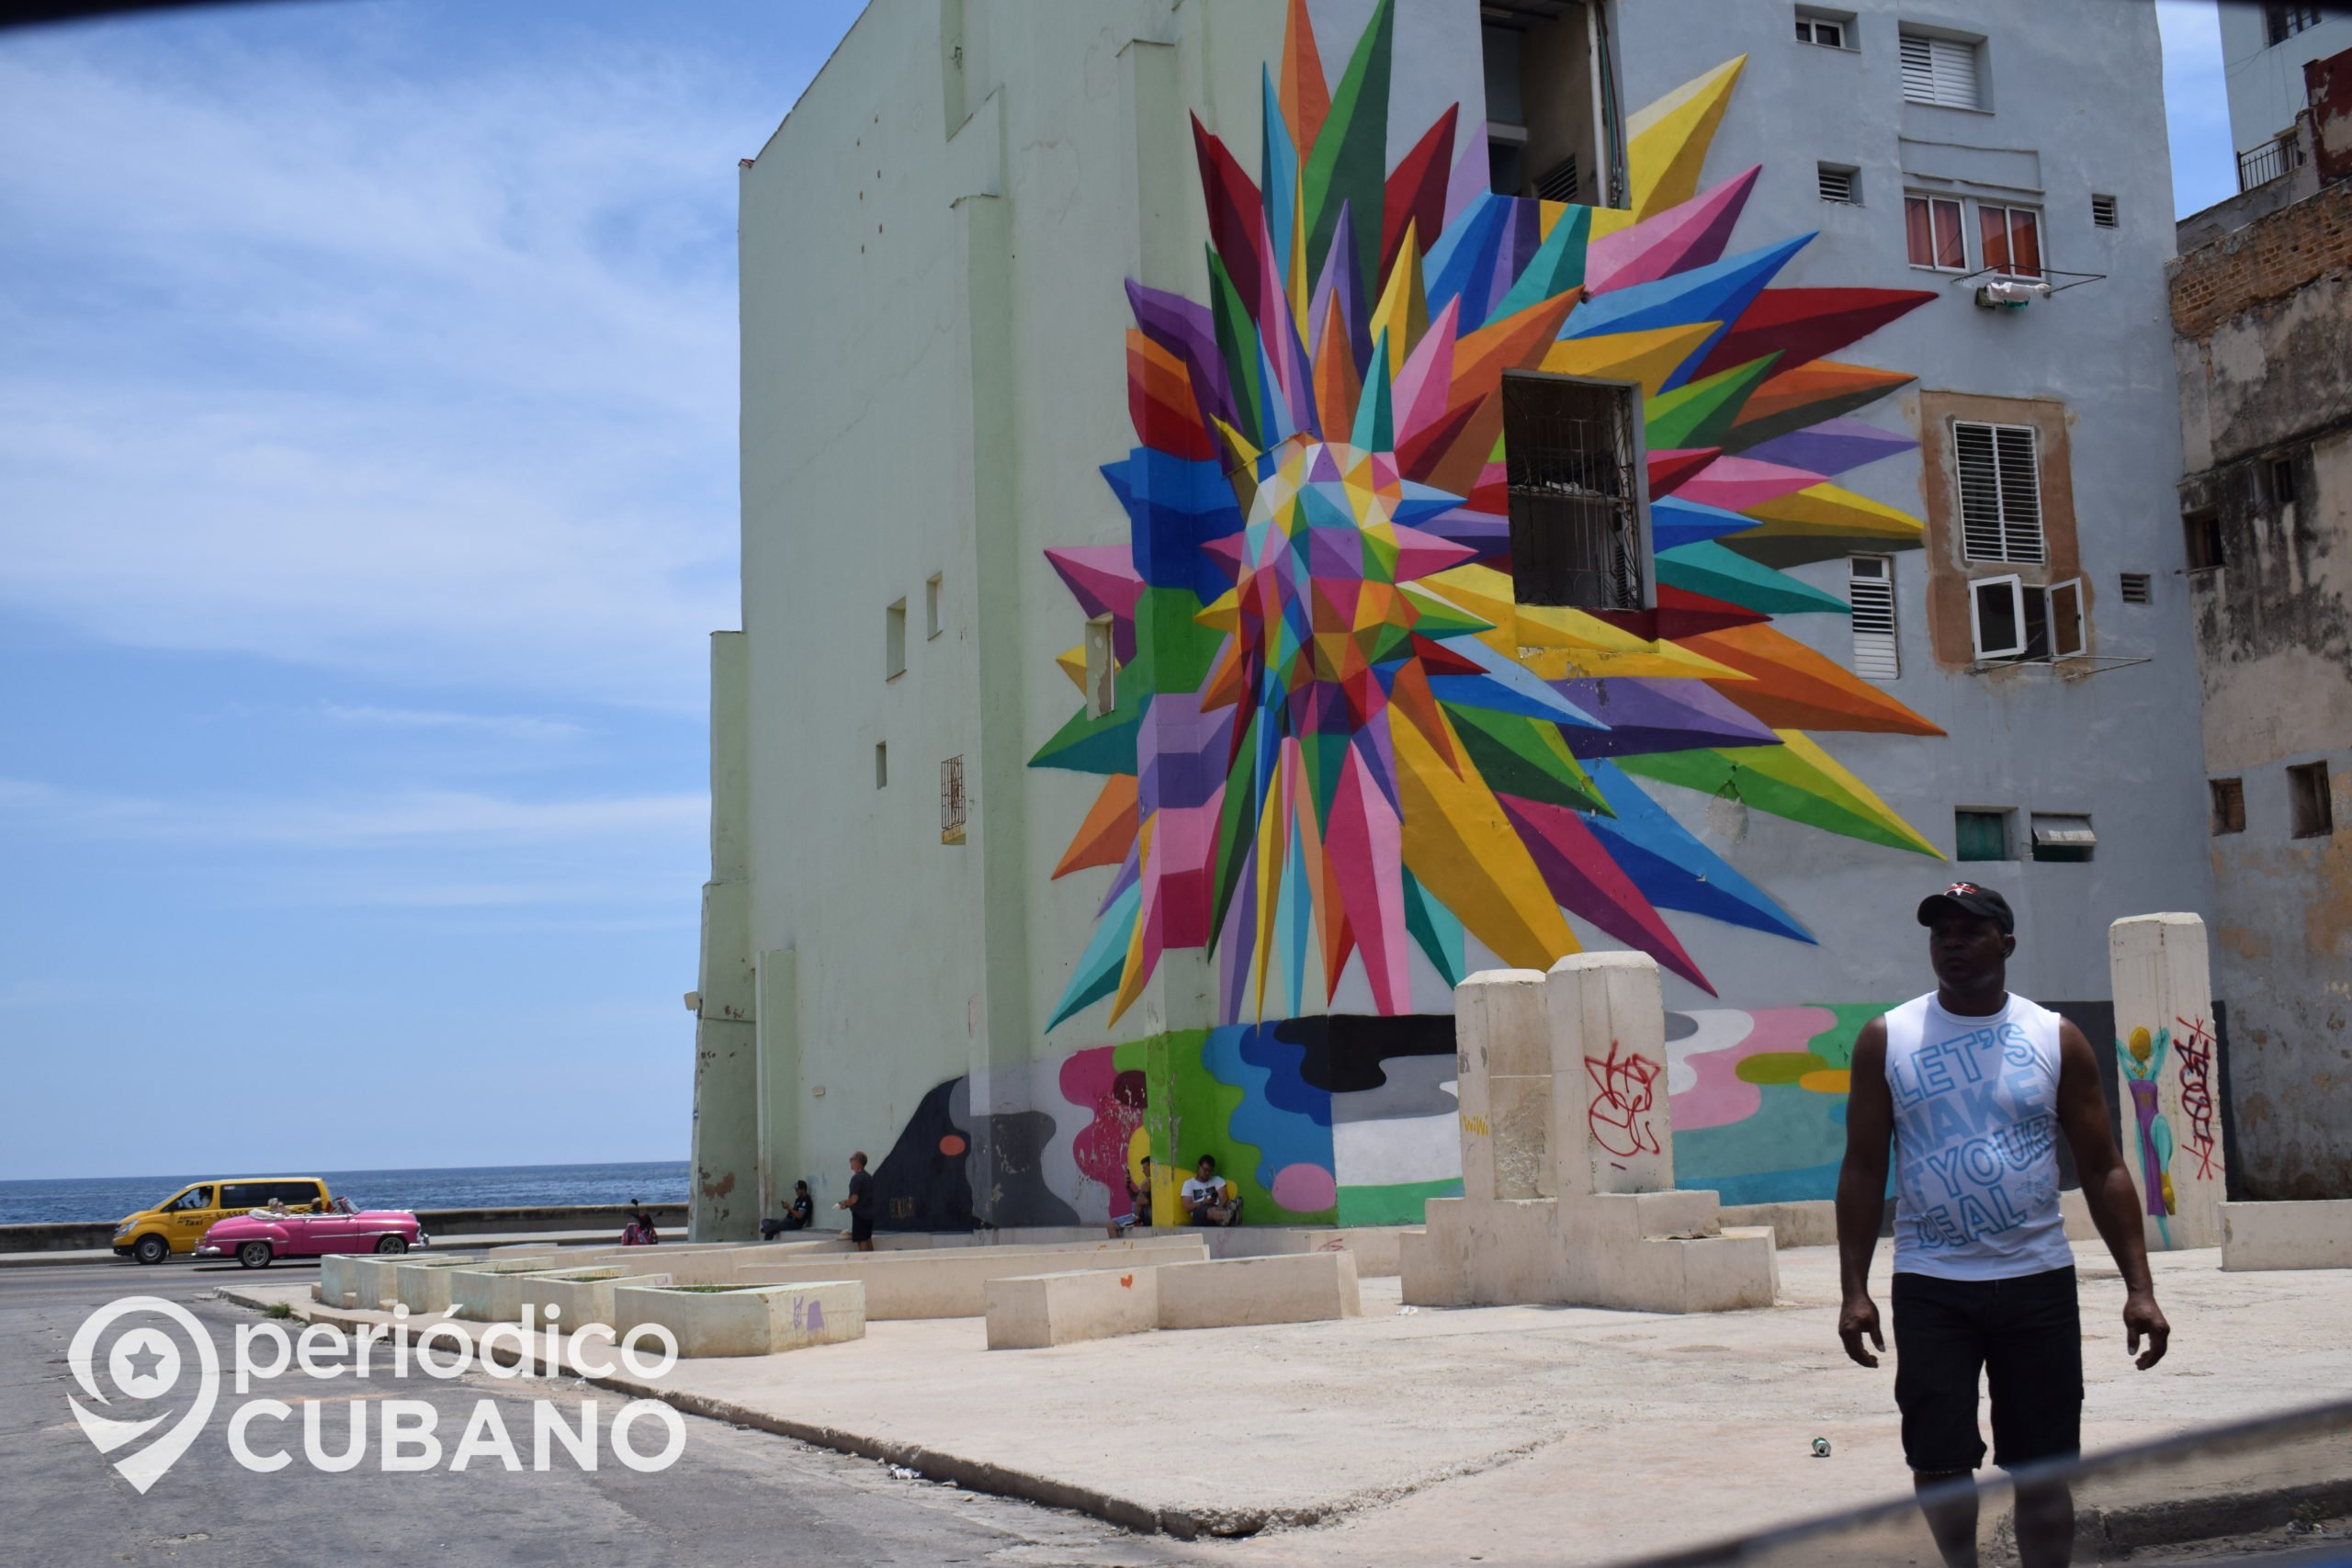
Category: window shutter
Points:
column 1837, row 183
column 1940, row 71
column 1562, row 184
column 2103, row 211
column 1919, row 69
column 2068, row 635
column 1870, row 586
column 2000, row 491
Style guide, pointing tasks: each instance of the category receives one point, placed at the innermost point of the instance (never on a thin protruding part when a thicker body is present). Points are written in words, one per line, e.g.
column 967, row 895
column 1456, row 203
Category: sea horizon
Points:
column 90, row 1200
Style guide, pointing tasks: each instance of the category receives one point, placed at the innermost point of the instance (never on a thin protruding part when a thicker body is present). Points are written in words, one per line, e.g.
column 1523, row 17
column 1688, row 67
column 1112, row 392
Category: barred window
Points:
column 1571, row 461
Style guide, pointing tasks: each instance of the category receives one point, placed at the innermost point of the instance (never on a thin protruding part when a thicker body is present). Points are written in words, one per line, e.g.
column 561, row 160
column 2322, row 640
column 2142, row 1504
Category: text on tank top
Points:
column 1975, row 1141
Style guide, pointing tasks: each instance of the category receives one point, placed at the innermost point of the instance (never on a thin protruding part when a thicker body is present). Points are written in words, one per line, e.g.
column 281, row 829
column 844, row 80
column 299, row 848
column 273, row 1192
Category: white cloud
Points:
column 433, row 380
column 513, row 726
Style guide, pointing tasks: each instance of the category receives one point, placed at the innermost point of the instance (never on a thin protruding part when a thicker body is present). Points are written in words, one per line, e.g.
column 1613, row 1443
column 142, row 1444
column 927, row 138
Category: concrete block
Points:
column 422, row 1284
column 2314, row 1235
column 489, row 1291
column 1611, row 1131
column 1499, row 1031
column 1219, row 1293
column 953, row 1282
column 1029, row 1312
column 575, row 1296
column 1806, row 1223
column 746, row 1320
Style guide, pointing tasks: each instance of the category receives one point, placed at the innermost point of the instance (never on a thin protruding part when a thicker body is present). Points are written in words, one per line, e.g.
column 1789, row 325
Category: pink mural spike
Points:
column 1690, row 235
column 1361, row 841
column 1587, row 880
column 1228, row 552
column 1421, row 554
column 1236, row 946
column 1738, row 483
column 1101, row 577
column 1468, row 181
column 1670, row 466
column 1421, row 387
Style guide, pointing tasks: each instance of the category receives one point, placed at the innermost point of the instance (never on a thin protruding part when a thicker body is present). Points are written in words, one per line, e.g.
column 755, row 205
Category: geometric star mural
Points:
column 1337, row 733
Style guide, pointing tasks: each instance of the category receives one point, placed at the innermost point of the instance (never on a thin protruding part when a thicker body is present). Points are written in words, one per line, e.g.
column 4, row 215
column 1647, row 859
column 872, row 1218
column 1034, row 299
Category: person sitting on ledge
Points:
column 1138, row 1204
column 1207, row 1201
column 640, row 1231
column 797, row 1215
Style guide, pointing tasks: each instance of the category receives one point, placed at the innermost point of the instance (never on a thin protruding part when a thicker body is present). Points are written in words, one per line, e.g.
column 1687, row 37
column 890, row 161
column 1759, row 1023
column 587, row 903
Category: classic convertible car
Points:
column 256, row 1239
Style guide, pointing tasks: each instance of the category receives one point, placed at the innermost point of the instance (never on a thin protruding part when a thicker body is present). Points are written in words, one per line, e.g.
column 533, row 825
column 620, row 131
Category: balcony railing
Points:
column 2262, row 165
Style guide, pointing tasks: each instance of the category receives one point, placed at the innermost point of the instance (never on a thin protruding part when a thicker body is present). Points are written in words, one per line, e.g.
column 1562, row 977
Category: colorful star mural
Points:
column 1337, row 733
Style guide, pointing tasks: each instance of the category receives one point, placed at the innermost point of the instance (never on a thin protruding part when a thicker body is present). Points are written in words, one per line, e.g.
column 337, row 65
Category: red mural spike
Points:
column 1670, row 466
column 1789, row 686
column 1236, row 217
column 1682, row 614
column 1587, row 883
column 1416, row 192
column 1803, row 324
column 1160, row 401
column 1304, row 94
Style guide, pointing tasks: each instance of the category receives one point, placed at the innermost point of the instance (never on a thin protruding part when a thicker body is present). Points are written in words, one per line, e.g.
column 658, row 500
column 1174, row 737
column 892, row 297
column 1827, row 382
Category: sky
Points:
column 367, row 496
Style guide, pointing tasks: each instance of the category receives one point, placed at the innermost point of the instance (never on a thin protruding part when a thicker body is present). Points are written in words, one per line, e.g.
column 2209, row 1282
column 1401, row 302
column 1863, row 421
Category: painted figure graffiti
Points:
column 2143, row 1059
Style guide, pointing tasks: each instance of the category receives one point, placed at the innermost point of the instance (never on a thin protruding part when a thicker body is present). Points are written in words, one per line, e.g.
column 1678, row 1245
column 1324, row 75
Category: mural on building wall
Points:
column 1337, row 737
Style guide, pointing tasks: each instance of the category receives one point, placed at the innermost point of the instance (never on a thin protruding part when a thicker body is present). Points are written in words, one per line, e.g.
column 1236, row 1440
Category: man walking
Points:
column 859, row 1203
column 1970, row 1087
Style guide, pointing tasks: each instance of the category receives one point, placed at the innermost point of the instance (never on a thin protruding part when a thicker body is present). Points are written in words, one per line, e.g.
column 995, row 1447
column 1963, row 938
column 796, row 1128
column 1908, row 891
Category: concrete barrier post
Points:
column 2168, row 1061
column 1608, row 1030
column 1503, row 1083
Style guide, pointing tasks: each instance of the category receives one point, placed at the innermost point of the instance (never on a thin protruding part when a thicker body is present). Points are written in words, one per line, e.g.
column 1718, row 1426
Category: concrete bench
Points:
column 953, row 1282
column 490, row 1292
column 566, row 1299
column 746, row 1320
column 1300, row 1288
column 1028, row 1312
column 2311, row 1234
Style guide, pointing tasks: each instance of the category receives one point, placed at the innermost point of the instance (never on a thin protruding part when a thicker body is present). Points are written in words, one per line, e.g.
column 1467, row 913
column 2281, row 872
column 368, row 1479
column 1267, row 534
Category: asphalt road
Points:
column 732, row 1495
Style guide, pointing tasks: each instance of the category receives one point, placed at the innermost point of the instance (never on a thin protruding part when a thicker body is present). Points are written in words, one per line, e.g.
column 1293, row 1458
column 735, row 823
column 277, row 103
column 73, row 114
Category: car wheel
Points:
column 392, row 1244
column 151, row 1249
column 253, row 1255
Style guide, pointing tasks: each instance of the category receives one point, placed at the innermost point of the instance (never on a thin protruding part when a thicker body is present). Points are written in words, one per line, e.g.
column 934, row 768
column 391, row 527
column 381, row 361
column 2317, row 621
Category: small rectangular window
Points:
column 894, row 641
column 1997, row 616
column 1980, row 835
column 2012, row 238
column 2069, row 637
column 1940, row 70
column 1572, row 464
column 2057, row 838
column 1869, row 588
column 2283, row 21
column 1841, row 183
column 2229, row 804
column 2000, row 490
column 932, row 609
column 2136, row 587
column 1102, row 668
column 1932, row 233
column 2201, row 531
column 951, row 801
column 2282, row 482
column 2311, row 814
column 2103, row 211
column 881, row 765
column 1829, row 32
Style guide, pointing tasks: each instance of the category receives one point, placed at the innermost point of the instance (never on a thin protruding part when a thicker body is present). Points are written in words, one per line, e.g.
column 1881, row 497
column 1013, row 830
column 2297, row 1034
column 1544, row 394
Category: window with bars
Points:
column 1869, row 588
column 2202, row 535
column 2282, row 22
column 1940, row 70
column 2310, row 811
column 2103, row 211
column 2012, row 237
column 1572, row 464
column 1842, row 183
column 1933, row 234
column 951, row 801
column 1980, row 834
column 2000, row 490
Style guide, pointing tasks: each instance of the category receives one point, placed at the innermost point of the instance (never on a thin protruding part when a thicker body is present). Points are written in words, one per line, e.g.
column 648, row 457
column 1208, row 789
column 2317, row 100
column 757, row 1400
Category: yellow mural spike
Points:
column 1224, row 616
column 1666, row 142
column 1300, row 289
column 1273, row 840
column 1403, row 309
column 1608, row 221
column 1831, row 510
column 1237, row 443
column 1131, row 971
column 1648, row 356
column 1858, row 795
column 1073, row 665
column 1465, row 851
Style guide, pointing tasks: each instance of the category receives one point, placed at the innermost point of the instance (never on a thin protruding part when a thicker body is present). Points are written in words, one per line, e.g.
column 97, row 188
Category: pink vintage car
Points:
column 256, row 1239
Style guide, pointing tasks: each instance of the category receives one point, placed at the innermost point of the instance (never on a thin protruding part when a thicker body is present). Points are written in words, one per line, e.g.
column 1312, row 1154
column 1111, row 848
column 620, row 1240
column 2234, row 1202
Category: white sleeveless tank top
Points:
column 1975, row 1141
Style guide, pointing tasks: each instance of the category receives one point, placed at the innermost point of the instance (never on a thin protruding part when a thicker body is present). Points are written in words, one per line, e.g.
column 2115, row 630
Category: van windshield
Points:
column 194, row 1198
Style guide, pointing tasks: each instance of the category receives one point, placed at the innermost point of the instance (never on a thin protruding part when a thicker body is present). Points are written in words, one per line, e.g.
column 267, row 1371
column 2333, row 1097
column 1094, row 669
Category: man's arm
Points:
column 1861, row 1189
column 2107, row 1188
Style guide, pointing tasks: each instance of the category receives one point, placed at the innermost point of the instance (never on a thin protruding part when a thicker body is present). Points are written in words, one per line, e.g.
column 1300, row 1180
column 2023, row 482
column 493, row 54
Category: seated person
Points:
column 1138, row 1204
column 1207, row 1201
column 640, row 1231
column 273, row 1210
column 797, row 1215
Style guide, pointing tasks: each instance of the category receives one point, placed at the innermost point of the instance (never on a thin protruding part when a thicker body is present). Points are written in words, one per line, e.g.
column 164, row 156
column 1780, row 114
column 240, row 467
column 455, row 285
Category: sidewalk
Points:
column 453, row 1244
column 1515, row 1434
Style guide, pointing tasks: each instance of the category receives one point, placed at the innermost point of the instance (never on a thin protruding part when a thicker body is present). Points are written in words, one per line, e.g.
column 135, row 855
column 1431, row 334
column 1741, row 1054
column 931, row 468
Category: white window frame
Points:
column 1960, row 220
column 2013, row 535
column 1877, row 655
column 1102, row 669
column 1946, row 72
column 2040, row 238
column 1978, row 585
column 894, row 640
column 934, row 610
column 1810, row 22
column 2078, row 617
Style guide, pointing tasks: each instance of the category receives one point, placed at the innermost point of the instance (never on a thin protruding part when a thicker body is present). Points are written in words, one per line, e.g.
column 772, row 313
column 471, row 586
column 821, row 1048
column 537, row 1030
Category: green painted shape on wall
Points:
column 1434, row 927
column 1188, row 1113
column 1511, row 754
column 1349, row 164
column 1558, row 265
column 1708, row 568
column 1835, row 1045
column 1778, row 1066
column 1771, row 779
column 1400, row 1203
column 1237, row 345
column 1701, row 414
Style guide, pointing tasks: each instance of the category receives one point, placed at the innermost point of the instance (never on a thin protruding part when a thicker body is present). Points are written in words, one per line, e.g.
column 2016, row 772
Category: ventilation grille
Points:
column 1563, row 183
column 2103, row 211
column 2135, row 587
column 1837, row 183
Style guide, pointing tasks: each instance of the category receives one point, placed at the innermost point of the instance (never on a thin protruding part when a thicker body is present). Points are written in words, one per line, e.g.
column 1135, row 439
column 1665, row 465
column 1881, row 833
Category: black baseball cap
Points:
column 1967, row 898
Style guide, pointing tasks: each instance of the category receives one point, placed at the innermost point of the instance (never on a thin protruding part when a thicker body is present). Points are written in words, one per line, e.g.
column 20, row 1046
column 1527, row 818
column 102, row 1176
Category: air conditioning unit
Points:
column 2011, row 293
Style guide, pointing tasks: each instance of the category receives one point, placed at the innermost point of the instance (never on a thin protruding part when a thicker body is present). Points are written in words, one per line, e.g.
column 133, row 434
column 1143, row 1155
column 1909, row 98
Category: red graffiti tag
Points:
column 2194, row 1050
column 1624, row 1090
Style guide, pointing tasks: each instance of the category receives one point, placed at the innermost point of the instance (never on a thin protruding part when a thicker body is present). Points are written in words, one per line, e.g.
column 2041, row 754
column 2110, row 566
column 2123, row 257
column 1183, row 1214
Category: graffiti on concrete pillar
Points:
column 1624, row 1093
column 2194, row 1050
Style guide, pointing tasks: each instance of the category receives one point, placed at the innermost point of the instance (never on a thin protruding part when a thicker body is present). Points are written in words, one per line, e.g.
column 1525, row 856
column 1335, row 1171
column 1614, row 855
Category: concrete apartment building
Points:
column 2264, row 47
column 1249, row 518
column 2262, row 301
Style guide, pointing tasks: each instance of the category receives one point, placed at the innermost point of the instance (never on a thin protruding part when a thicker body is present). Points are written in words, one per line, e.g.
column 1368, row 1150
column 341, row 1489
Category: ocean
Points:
column 462, row 1187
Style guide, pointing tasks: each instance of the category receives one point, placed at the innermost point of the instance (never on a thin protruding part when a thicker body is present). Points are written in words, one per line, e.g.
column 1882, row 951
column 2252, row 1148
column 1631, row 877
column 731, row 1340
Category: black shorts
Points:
column 2025, row 1335
column 860, row 1230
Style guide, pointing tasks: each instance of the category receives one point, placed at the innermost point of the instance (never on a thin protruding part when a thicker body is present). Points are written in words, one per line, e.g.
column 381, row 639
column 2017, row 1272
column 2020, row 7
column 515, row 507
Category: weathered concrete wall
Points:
column 2265, row 356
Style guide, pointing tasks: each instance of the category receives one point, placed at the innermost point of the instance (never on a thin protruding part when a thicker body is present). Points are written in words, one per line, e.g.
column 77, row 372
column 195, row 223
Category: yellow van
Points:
column 179, row 1222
